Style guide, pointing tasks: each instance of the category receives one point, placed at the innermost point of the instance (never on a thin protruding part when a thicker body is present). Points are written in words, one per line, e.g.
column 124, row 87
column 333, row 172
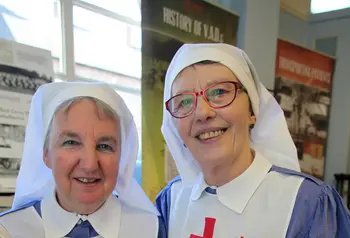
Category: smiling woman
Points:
column 83, row 153
column 80, row 151
column 239, row 170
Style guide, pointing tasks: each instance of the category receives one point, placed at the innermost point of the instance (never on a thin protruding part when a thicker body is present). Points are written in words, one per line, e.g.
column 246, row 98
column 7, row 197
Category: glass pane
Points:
column 133, row 101
column 103, row 51
column 127, row 8
column 319, row 6
column 36, row 23
column 58, row 80
column 134, row 37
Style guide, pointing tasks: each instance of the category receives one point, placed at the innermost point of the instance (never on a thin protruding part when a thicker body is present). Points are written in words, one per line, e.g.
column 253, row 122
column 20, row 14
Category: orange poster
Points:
column 303, row 88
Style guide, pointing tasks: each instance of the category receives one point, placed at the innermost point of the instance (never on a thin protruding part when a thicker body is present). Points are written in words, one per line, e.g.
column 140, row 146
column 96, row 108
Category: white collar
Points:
column 58, row 222
column 237, row 193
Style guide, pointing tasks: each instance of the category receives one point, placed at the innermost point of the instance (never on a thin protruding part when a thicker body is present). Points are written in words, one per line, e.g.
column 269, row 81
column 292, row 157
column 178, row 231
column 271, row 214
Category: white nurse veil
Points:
column 35, row 179
column 270, row 135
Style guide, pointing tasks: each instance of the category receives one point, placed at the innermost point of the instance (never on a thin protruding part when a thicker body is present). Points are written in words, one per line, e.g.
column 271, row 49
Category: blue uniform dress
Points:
column 265, row 201
column 46, row 219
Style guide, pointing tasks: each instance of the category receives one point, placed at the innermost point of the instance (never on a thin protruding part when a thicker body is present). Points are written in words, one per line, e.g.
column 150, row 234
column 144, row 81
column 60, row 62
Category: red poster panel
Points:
column 303, row 88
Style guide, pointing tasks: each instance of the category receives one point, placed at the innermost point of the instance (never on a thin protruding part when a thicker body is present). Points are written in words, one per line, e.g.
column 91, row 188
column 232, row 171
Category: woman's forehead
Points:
column 202, row 75
column 74, row 114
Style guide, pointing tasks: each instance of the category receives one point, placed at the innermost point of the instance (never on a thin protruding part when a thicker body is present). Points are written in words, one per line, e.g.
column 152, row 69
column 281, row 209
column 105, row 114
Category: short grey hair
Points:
column 102, row 107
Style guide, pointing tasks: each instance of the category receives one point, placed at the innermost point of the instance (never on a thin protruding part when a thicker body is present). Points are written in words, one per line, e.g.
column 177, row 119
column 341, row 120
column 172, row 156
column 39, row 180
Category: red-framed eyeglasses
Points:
column 217, row 95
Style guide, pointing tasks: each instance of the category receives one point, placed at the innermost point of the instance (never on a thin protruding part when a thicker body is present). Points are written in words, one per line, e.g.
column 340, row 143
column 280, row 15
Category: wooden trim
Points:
column 290, row 9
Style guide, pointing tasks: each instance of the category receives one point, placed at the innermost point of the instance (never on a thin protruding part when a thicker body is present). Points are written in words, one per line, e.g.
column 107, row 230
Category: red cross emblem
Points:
column 208, row 228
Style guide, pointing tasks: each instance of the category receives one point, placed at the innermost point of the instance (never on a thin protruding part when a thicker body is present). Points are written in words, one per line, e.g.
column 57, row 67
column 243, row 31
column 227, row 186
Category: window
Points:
column 36, row 23
column 129, row 9
column 102, row 51
column 134, row 37
column 133, row 101
column 319, row 6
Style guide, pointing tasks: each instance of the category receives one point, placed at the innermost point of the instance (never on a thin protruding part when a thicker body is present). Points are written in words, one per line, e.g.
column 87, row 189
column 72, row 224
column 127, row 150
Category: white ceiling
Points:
column 299, row 8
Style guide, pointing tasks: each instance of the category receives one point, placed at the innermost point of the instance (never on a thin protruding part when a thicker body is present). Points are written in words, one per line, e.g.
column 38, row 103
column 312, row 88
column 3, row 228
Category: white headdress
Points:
column 35, row 179
column 270, row 135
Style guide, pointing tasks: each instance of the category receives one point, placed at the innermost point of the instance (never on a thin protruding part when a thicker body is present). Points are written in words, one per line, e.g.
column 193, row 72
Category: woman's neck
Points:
column 221, row 174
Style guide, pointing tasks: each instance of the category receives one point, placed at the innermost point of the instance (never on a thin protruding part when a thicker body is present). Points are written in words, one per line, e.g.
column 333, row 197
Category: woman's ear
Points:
column 46, row 158
column 252, row 121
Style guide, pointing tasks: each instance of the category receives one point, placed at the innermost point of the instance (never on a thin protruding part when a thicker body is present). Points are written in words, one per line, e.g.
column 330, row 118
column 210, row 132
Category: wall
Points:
column 326, row 25
column 258, row 33
column 293, row 28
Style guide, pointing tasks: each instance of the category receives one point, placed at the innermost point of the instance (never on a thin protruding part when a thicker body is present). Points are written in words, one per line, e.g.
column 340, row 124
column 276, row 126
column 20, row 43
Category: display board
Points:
column 166, row 25
column 303, row 88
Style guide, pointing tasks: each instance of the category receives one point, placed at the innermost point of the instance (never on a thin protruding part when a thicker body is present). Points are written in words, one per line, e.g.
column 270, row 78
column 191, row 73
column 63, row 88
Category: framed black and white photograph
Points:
column 18, row 82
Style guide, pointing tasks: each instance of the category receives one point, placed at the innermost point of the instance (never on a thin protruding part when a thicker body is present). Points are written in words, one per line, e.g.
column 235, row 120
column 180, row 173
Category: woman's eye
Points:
column 70, row 143
column 216, row 92
column 105, row 147
column 219, row 91
column 186, row 102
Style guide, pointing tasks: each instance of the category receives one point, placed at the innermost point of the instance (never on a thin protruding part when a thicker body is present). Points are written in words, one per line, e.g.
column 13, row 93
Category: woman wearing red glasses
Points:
column 239, row 170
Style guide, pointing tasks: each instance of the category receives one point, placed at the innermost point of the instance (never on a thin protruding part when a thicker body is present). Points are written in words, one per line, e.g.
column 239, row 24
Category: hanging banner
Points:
column 303, row 88
column 166, row 25
column 22, row 70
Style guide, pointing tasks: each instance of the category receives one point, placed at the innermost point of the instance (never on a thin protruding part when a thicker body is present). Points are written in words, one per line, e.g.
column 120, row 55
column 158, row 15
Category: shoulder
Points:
column 27, row 217
column 313, row 194
column 24, row 214
column 175, row 180
column 319, row 211
column 163, row 199
column 309, row 183
column 165, row 193
column 34, row 204
column 131, row 213
column 145, row 220
column 163, row 203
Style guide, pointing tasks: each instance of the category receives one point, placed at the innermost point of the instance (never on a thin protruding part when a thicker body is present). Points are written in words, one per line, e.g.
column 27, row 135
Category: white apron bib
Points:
column 267, row 213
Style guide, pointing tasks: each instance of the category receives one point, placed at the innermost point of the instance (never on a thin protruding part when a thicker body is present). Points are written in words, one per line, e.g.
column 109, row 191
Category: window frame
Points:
column 68, row 59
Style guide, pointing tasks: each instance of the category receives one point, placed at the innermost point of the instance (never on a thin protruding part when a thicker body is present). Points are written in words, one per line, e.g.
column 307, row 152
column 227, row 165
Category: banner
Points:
column 22, row 70
column 166, row 25
column 303, row 88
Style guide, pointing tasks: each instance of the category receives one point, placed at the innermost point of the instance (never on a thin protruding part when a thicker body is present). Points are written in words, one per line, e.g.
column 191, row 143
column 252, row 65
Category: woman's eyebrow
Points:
column 110, row 139
column 208, row 83
column 69, row 134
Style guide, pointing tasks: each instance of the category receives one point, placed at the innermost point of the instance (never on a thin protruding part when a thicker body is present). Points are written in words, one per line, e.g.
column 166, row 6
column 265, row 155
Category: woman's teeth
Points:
column 86, row 180
column 211, row 134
